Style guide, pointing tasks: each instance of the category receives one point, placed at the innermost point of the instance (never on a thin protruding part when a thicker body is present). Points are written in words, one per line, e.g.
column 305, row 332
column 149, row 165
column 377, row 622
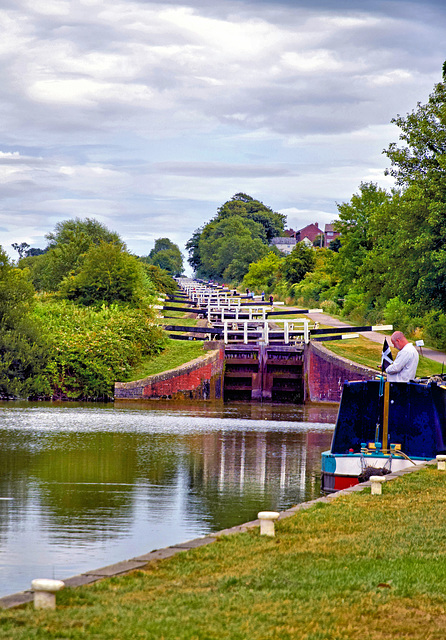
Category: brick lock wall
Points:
column 326, row 373
column 199, row 379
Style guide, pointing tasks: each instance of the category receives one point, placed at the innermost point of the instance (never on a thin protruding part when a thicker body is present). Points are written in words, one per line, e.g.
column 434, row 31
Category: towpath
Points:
column 324, row 318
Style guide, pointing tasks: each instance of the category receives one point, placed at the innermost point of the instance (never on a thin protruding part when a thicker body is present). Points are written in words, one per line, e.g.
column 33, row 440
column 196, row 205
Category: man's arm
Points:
column 401, row 360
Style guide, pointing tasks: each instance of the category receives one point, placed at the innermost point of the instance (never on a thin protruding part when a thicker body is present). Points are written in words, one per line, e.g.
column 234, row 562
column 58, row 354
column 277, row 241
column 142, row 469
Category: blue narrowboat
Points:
column 384, row 427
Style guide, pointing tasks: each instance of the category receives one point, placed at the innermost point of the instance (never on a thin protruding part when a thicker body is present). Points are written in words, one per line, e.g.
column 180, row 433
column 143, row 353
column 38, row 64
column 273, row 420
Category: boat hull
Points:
column 385, row 427
column 341, row 471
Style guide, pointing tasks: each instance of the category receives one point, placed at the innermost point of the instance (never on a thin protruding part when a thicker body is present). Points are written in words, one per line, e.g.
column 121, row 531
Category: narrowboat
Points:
column 384, row 427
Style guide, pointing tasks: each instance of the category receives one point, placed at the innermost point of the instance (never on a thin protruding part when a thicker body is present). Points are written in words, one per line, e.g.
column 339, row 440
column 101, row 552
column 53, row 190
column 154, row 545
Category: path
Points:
column 323, row 318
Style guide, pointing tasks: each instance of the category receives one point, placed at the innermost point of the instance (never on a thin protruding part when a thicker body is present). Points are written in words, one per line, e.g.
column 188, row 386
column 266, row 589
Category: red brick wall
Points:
column 199, row 379
column 326, row 373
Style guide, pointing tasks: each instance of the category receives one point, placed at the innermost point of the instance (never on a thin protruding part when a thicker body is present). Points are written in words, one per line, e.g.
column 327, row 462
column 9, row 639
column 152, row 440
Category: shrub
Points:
column 92, row 348
column 398, row 313
column 434, row 328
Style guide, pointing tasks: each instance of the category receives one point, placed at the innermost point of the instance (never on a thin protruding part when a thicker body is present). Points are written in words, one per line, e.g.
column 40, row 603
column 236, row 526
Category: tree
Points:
column 21, row 248
column 300, row 261
column 68, row 245
column 161, row 280
column 86, row 232
column 353, row 224
column 334, row 245
column 23, row 349
column 419, row 167
column 240, row 233
column 233, row 238
column 263, row 274
column 192, row 246
column 423, row 157
column 246, row 207
column 166, row 255
column 108, row 274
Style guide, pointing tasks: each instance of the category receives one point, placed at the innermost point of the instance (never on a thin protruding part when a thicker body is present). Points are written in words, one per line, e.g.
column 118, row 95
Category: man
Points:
column 406, row 362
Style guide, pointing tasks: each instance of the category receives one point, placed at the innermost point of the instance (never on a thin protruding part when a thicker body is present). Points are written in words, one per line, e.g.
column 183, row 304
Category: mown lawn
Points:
column 359, row 567
column 176, row 353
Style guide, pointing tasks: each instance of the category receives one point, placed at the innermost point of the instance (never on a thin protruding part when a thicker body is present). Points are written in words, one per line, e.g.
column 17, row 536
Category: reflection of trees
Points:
column 84, row 481
column 239, row 473
column 87, row 481
column 92, row 485
column 15, row 460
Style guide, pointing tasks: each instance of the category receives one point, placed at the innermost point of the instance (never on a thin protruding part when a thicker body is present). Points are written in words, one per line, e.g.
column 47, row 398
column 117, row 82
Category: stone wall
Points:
column 325, row 373
column 200, row 379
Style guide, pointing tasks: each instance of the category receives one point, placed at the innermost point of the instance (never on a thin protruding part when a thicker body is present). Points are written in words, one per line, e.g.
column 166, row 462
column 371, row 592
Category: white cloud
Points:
column 150, row 115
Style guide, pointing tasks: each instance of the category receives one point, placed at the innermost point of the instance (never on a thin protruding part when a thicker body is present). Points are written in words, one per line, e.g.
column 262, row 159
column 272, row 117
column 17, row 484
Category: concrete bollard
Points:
column 441, row 462
column 267, row 522
column 376, row 484
column 45, row 592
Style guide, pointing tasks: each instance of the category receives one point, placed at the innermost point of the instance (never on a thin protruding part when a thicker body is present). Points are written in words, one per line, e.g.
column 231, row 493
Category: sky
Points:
column 148, row 116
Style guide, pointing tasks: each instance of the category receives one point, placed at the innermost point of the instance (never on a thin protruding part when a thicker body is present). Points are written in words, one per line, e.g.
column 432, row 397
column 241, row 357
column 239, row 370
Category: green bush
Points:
column 92, row 348
column 357, row 306
column 398, row 313
column 434, row 328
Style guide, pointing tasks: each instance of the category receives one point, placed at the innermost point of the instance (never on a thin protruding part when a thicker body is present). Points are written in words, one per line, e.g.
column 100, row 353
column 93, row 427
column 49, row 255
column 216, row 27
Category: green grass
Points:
column 179, row 320
column 176, row 353
column 360, row 567
column 368, row 353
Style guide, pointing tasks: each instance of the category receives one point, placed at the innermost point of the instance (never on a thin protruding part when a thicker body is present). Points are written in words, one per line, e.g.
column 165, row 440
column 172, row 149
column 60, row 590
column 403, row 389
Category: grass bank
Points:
column 176, row 353
column 368, row 353
column 359, row 567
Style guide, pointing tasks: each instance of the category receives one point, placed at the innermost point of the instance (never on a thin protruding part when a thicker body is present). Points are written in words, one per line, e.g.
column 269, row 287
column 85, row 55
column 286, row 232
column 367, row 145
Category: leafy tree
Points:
column 21, row 248
column 166, row 255
column 108, row 274
column 161, row 279
column 86, row 232
column 321, row 283
column 353, row 223
column 334, row 245
column 300, row 261
column 423, row 157
column 419, row 167
column 192, row 246
column 263, row 274
column 261, row 222
column 231, row 239
column 23, row 350
column 67, row 247
column 246, row 207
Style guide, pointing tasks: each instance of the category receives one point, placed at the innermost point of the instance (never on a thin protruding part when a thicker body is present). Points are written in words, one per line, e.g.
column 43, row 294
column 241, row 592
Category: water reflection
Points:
column 92, row 485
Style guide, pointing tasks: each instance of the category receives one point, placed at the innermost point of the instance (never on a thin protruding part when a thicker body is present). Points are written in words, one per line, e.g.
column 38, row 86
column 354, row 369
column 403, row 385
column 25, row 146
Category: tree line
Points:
column 78, row 315
column 390, row 262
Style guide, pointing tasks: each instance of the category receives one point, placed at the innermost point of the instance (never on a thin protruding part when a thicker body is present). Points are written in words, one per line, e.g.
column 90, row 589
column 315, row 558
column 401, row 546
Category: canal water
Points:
column 86, row 485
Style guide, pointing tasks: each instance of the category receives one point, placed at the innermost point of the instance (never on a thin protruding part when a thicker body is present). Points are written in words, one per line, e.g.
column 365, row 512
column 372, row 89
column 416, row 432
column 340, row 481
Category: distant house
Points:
column 330, row 234
column 309, row 234
column 284, row 244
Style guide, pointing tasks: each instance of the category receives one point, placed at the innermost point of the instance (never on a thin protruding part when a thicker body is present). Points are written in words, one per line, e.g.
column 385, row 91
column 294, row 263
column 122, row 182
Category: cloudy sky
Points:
column 148, row 116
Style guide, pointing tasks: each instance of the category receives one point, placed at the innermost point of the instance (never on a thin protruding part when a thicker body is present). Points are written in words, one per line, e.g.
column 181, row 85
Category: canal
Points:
column 86, row 485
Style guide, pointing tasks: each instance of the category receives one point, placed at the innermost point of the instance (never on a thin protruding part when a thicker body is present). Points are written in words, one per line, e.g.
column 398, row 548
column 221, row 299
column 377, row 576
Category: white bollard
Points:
column 45, row 592
column 267, row 522
column 441, row 463
column 376, row 484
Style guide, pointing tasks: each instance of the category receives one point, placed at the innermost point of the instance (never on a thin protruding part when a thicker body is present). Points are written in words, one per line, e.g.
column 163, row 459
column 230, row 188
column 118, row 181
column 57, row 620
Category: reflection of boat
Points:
column 384, row 427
